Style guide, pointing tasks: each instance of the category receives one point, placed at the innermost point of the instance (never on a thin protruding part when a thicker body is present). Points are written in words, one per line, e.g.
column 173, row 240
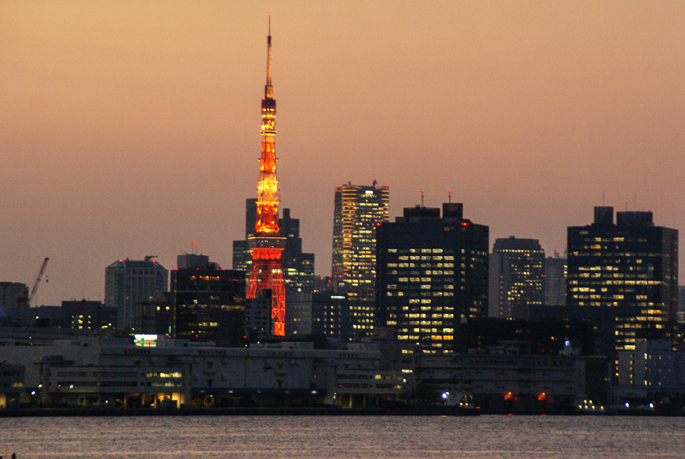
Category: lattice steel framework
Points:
column 267, row 245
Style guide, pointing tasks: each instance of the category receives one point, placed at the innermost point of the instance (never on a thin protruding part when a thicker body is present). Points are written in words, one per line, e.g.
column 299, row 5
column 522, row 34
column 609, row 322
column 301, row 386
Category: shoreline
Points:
column 289, row 411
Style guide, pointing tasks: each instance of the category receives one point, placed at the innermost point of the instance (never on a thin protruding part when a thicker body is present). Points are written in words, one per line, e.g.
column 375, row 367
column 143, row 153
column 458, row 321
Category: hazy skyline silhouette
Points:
column 132, row 128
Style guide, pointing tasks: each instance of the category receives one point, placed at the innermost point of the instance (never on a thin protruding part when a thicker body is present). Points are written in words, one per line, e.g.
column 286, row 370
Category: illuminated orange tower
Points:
column 266, row 244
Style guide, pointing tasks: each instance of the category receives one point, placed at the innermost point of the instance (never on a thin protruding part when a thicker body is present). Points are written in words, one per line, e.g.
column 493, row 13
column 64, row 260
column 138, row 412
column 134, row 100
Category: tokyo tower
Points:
column 266, row 276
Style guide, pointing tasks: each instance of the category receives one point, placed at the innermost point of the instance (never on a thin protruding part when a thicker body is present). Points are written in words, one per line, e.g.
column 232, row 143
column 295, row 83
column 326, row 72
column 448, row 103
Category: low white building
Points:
column 164, row 372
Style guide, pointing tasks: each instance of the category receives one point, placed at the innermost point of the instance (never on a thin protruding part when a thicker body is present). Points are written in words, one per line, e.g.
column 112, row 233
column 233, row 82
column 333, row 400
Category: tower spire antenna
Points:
column 269, row 89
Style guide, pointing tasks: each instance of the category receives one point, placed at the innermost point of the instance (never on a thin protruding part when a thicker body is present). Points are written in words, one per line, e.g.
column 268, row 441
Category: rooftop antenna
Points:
column 269, row 90
column 421, row 197
column 449, row 196
column 194, row 249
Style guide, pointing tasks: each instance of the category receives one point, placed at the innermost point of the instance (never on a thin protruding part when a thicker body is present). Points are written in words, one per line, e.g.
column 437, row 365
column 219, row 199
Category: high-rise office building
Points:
column 432, row 276
column 332, row 315
column 358, row 211
column 321, row 314
column 128, row 282
column 155, row 317
column 681, row 304
column 516, row 275
column 209, row 302
column 266, row 273
column 298, row 267
column 258, row 318
column 629, row 267
column 84, row 315
column 10, row 293
column 242, row 256
column 298, row 314
column 554, row 282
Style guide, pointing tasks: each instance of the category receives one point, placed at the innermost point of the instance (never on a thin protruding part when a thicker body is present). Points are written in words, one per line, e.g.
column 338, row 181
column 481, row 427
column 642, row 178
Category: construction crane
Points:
column 26, row 298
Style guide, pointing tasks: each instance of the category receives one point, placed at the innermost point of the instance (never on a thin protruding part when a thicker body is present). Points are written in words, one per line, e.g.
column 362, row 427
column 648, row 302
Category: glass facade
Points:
column 358, row 210
column 129, row 282
column 516, row 274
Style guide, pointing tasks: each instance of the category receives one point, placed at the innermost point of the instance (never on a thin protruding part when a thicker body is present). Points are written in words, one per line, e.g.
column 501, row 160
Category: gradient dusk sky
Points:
column 131, row 128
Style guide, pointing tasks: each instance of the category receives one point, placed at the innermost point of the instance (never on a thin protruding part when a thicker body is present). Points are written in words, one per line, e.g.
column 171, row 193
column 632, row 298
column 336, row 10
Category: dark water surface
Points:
column 343, row 436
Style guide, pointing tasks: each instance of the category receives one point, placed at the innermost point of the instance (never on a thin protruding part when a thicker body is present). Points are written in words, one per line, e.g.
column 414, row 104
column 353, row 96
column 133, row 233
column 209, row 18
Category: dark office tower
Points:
column 156, row 317
column 681, row 304
column 209, row 302
column 554, row 282
column 128, row 282
column 298, row 314
column 321, row 314
column 323, row 284
column 258, row 318
column 630, row 268
column 83, row 315
column 298, row 267
column 332, row 316
column 10, row 293
column 242, row 256
column 515, row 276
column 432, row 276
column 250, row 217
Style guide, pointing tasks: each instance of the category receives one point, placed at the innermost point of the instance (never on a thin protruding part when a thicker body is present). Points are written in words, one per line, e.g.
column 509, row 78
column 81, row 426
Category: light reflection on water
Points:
column 343, row 436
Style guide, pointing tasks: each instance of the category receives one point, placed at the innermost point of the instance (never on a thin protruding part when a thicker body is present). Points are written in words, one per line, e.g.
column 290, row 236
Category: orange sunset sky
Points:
column 131, row 128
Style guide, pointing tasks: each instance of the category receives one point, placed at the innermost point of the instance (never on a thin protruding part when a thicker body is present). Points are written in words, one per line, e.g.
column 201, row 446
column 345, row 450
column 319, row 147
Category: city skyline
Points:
column 131, row 129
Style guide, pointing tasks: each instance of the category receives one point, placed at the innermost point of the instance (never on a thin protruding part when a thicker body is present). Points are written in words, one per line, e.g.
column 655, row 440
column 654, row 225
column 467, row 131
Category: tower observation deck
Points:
column 266, row 276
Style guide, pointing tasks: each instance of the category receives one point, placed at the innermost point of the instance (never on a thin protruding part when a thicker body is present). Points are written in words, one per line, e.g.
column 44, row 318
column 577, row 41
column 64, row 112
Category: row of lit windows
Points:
column 432, row 337
column 637, row 275
column 425, row 258
column 617, row 282
column 425, row 316
column 425, row 330
column 612, row 239
column 643, row 311
column 609, row 253
column 419, row 279
column 426, row 293
column 417, row 250
column 605, row 268
column 205, row 278
column 422, row 265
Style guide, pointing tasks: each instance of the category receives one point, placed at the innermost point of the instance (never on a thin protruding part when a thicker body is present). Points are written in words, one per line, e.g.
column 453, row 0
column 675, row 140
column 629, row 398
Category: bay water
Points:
column 486, row 436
